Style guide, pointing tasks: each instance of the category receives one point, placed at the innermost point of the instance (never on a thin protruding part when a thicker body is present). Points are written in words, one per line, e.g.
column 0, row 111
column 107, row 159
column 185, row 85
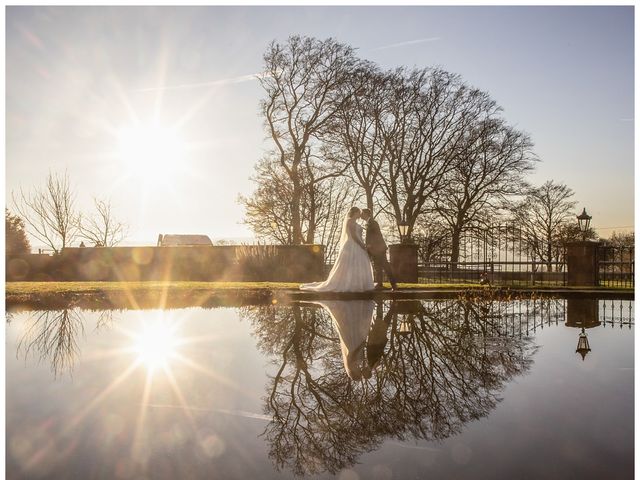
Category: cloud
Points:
column 187, row 86
column 408, row 42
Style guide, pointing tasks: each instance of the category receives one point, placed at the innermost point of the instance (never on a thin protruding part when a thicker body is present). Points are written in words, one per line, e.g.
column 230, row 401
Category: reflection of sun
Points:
column 156, row 345
column 150, row 153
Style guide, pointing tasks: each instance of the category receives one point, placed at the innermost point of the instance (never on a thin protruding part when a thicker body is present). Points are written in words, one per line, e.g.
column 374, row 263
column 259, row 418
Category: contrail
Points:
column 414, row 447
column 408, row 42
column 236, row 413
column 224, row 81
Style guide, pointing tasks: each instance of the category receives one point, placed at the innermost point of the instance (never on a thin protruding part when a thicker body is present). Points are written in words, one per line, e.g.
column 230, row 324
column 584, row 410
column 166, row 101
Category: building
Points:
column 171, row 240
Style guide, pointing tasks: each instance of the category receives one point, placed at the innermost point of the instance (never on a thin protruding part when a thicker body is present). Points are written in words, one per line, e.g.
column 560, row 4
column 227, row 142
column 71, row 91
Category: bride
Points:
column 352, row 271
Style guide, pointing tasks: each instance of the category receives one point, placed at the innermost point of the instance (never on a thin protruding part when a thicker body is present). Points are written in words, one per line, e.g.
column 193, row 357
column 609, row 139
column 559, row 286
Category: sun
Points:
column 156, row 345
column 150, row 153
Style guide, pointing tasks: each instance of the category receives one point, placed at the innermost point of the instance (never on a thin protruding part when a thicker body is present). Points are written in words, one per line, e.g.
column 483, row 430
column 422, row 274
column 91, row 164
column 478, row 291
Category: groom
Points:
column 377, row 249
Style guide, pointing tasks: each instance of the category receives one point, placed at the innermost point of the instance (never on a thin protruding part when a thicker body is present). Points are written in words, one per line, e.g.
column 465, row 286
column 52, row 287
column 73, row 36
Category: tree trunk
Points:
column 369, row 195
column 296, row 217
column 311, row 228
column 455, row 248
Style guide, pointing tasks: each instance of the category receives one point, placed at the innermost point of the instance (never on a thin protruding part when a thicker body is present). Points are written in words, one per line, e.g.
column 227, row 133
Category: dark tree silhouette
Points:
column 429, row 112
column 487, row 173
column 15, row 235
column 447, row 371
column 355, row 137
column 268, row 211
column 303, row 81
column 53, row 336
column 543, row 216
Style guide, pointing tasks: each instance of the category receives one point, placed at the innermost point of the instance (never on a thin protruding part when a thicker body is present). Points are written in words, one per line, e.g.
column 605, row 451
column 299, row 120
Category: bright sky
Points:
column 90, row 87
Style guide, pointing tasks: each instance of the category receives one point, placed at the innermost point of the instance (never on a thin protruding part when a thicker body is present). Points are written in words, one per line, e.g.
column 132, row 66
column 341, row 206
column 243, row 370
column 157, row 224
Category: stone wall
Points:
column 284, row 263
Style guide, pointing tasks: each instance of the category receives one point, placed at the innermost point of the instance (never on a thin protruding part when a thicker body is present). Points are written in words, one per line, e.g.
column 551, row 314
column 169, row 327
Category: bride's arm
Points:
column 352, row 233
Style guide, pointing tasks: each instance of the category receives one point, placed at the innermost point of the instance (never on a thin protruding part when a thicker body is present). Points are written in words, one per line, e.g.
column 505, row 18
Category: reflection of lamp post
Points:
column 584, row 220
column 403, row 227
column 583, row 344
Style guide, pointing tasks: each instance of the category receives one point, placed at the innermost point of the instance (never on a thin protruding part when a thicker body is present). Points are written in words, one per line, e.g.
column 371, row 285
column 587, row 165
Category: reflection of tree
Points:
column 447, row 371
column 53, row 335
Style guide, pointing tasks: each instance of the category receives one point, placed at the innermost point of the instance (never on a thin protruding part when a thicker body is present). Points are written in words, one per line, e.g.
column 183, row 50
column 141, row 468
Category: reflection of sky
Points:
column 74, row 75
column 216, row 420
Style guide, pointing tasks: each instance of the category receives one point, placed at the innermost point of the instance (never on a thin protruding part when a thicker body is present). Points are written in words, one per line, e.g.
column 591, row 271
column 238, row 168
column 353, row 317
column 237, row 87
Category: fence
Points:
column 498, row 254
column 616, row 266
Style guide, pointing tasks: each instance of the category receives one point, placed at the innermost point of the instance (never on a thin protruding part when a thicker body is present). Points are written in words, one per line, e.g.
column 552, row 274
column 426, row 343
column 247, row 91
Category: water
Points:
column 413, row 389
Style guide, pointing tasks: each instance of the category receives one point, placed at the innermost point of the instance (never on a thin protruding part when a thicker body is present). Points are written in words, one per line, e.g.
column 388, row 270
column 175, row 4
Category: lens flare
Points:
column 156, row 345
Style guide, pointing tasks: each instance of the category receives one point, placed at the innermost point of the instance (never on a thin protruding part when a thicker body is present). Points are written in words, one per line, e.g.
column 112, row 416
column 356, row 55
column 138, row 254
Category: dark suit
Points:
column 377, row 338
column 377, row 249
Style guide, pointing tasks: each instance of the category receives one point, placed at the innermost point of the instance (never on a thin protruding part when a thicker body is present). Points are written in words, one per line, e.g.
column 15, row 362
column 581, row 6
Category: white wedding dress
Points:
column 352, row 271
column 352, row 320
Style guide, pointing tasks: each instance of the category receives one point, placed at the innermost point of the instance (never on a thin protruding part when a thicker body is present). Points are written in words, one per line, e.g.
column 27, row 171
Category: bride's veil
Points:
column 344, row 236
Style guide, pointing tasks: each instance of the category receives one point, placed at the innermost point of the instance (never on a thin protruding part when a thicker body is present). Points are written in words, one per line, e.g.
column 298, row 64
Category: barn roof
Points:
column 172, row 240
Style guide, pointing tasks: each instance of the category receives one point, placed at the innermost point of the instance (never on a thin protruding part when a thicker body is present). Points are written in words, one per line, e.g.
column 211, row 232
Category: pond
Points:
column 446, row 388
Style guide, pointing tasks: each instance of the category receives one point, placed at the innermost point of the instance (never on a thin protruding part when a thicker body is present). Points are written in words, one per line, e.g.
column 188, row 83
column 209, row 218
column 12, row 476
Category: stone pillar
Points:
column 582, row 312
column 582, row 263
column 404, row 262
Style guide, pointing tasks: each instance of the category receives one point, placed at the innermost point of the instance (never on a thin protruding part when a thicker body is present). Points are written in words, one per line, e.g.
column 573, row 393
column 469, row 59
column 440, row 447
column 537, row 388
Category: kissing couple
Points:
column 352, row 271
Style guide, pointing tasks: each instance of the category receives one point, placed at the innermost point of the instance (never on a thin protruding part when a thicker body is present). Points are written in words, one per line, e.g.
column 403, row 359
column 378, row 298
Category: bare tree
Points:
column 53, row 335
column 322, row 206
column 302, row 81
column 424, row 125
column 621, row 239
column 355, row 136
column 427, row 385
column 102, row 228
column 490, row 168
column 268, row 209
column 50, row 212
column 542, row 216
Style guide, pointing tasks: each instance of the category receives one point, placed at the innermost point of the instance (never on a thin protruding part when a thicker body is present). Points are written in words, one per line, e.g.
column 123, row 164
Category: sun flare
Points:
column 156, row 345
column 150, row 153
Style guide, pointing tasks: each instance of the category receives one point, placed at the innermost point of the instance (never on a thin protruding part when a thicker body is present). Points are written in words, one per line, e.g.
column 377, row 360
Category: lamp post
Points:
column 403, row 227
column 583, row 344
column 584, row 221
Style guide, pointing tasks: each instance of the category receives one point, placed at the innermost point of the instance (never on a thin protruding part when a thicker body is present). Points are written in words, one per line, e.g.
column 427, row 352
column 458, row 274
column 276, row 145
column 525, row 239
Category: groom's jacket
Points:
column 374, row 241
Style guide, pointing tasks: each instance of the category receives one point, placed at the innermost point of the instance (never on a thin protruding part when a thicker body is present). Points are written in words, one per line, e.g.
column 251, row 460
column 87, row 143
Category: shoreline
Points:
column 153, row 295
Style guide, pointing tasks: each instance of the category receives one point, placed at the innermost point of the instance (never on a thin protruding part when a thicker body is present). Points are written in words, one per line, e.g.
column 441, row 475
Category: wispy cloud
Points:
column 214, row 83
column 408, row 42
column 626, row 119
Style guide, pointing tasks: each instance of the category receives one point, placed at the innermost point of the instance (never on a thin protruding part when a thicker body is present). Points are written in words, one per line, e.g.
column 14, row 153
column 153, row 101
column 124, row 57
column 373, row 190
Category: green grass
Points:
column 27, row 288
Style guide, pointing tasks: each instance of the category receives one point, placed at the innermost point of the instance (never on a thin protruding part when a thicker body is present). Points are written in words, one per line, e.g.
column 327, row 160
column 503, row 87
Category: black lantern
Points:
column 583, row 344
column 403, row 227
column 584, row 221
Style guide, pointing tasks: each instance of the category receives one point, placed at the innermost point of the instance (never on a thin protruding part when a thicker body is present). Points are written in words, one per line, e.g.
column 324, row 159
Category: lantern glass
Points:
column 405, row 328
column 584, row 220
column 404, row 228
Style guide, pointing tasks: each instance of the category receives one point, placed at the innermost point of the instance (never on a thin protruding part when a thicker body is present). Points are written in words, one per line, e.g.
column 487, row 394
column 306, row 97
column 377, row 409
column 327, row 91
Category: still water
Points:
column 347, row 389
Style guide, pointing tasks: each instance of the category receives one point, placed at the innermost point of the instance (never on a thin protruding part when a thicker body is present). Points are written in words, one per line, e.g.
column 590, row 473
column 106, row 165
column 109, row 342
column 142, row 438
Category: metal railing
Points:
column 616, row 266
column 497, row 254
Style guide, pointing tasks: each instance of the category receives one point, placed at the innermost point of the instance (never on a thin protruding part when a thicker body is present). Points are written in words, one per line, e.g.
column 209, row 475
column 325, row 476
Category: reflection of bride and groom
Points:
column 362, row 340
column 352, row 270
column 448, row 369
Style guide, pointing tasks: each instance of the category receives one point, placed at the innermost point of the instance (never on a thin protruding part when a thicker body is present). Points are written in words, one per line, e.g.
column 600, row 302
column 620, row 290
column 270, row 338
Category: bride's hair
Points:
column 353, row 211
